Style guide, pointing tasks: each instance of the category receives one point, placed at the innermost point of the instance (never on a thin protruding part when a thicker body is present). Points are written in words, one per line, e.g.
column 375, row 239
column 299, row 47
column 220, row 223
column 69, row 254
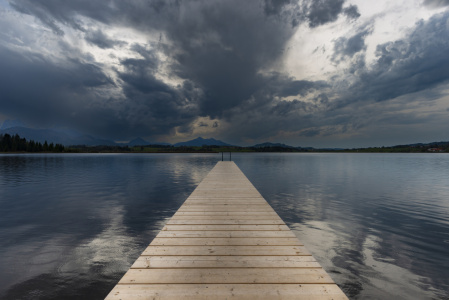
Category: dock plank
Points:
column 226, row 227
column 225, row 222
column 226, row 275
column 226, row 242
column 225, row 213
column 168, row 262
column 202, row 217
column 187, row 241
column 227, row 291
column 223, row 208
column 225, row 250
column 228, row 234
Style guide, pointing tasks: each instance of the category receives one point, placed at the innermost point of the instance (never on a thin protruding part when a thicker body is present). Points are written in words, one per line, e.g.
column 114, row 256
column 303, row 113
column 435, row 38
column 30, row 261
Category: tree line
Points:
column 14, row 143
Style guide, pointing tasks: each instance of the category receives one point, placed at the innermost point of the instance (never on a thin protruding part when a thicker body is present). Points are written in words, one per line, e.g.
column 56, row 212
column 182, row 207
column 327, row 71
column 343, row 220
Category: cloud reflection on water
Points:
column 73, row 224
column 376, row 222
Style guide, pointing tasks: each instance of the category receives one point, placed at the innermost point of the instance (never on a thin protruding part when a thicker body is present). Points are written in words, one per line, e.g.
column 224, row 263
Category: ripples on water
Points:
column 377, row 222
column 71, row 225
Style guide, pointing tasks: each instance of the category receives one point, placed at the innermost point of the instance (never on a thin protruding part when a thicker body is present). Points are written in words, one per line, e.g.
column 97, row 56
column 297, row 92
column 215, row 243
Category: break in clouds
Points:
column 178, row 69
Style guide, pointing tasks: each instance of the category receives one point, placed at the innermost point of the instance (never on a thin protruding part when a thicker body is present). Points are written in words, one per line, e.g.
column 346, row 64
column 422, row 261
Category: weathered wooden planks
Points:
column 225, row 250
column 225, row 222
column 225, row 242
column 187, row 241
column 231, row 227
column 229, row 234
column 226, row 275
column 279, row 261
column 227, row 291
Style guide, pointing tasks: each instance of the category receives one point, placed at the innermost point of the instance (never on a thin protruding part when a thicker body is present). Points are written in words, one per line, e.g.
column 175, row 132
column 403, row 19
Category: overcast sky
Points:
column 323, row 73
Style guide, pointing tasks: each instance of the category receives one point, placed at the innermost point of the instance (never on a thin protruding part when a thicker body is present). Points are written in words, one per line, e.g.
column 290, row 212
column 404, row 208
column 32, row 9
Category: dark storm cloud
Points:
column 347, row 47
column 311, row 132
column 320, row 12
column 154, row 105
column 299, row 87
column 99, row 39
column 220, row 54
column 220, row 45
column 272, row 7
column 352, row 12
column 284, row 86
column 75, row 94
column 262, row 116
column 223, row 46
column 324, row 11
column 415, row 63
column 260, row 122
column 285, row 108
column 38, row 12
column 32, row 87
column 139, row 76
column 436, row 3
column 55, row 13
column 218, row 48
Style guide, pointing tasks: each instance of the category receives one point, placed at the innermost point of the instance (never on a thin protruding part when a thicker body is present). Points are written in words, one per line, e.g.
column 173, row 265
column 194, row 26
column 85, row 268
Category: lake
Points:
column 72, row 224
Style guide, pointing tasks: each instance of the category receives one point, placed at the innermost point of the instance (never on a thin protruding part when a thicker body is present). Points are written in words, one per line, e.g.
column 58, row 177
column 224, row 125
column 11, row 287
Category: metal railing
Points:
column 222, row 156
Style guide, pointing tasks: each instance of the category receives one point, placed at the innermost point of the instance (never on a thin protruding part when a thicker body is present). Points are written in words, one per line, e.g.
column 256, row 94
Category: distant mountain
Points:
column 137, row 142
column 11, row 123
column 327, row 149
column 442, row 143
column 141, row 142
column 198, row 142
column 56, row 137
column 272, row 145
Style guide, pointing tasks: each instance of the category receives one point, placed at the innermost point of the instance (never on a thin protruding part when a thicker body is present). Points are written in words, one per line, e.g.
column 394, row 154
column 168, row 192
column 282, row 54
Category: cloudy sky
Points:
column 323, row 73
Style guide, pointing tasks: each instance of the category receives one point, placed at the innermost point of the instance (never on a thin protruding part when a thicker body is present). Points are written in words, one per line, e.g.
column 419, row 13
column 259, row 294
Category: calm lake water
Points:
column 72, row 224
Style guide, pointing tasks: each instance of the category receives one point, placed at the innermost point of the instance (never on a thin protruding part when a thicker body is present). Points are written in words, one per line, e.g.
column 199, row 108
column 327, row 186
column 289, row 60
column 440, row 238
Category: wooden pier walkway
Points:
column 226, row 242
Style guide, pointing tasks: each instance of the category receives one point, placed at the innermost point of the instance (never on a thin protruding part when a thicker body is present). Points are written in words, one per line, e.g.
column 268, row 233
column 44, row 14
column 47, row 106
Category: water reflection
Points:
column 73, row 224
column 376, row 222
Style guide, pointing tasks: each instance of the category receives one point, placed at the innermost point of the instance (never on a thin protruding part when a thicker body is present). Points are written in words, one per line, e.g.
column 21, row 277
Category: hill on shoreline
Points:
column 76, row 140
column 199, row 142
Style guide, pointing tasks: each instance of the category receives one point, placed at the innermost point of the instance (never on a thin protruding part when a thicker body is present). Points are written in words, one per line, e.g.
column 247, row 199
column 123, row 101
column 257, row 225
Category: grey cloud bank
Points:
column 215, row 68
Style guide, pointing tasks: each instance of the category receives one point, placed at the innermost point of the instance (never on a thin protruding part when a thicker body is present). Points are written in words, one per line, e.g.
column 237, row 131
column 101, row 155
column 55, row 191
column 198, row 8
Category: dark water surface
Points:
column 72, row 224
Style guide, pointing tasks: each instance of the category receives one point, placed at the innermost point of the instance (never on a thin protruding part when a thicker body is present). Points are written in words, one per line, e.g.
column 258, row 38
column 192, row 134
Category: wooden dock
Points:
column 226, row 242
